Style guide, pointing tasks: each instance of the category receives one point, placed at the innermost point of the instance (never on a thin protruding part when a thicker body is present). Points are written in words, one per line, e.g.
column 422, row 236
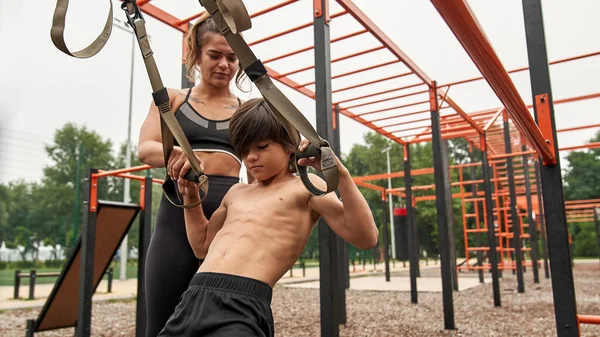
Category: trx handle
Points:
column 169, row 126
column 58, row 30
column 231, row 17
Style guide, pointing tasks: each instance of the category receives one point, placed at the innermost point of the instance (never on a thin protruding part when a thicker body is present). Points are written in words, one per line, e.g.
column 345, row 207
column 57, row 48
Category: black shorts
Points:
column 222, row 305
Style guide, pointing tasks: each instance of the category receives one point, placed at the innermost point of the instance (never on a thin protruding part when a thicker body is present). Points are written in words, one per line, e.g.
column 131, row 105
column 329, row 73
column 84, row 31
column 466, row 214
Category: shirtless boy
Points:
column 259, row 231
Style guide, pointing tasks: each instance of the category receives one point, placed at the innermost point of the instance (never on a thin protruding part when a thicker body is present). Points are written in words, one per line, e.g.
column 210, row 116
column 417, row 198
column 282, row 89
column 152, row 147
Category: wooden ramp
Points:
column 61, row 309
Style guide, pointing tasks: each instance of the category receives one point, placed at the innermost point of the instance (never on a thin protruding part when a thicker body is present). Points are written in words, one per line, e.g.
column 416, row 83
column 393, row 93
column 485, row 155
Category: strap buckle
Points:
column 132, row 12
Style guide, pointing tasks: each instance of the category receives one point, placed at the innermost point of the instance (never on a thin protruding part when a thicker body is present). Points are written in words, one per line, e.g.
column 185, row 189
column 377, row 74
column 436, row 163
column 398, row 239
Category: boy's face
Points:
column 265, row 159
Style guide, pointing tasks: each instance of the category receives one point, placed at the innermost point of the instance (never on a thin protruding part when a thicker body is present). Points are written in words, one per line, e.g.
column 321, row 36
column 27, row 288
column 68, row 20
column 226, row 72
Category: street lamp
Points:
column 126, row 190
column 387, row 151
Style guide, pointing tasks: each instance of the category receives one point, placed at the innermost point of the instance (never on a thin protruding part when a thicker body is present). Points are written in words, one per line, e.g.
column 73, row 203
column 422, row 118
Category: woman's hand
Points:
column 178, row 164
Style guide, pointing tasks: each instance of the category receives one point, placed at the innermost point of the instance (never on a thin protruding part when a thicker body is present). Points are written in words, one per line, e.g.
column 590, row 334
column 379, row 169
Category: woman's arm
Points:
column 150, row 149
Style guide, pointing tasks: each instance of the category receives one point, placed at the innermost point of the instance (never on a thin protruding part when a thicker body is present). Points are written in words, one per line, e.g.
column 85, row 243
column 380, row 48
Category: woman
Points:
column 203, row 112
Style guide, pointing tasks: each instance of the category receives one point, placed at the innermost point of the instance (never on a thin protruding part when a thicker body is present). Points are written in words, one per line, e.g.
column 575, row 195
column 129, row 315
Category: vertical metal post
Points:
column 516, row 221
column 144, row 242
column 491, row 231
column 441, row 185
column 88, row 247
column 328, row 266
column 532, row 226
column 17, row 284
column 413, row 253
column 30, row 328
column 563, row 288
column 343, row 277
column 450, row 215
column 542, row 220
column 32, row 280
column 386, row 239
column 475, row 206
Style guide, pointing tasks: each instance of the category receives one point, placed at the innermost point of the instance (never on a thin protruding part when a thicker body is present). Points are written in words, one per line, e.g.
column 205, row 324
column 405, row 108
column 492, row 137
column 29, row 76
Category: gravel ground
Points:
column 372, row 313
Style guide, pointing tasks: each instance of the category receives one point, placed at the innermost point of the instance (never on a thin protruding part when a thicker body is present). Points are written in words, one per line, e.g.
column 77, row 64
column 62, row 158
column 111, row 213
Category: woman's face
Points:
column 218, row 64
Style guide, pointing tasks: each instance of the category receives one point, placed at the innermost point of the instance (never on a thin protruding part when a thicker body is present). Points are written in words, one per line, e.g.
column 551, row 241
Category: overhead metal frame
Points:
column 480, row 128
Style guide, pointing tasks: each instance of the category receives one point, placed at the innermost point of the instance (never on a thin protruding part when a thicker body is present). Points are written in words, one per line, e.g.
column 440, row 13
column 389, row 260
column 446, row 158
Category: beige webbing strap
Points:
column 58, row 30
column 169, row 126
column 232, row 18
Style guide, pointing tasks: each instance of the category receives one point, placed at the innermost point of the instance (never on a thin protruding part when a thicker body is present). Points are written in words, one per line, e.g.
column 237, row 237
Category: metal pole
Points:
column 475, row 220
column 390, row 201
column 126, row 189
column 563, row 287
column 530, row 222
column 328, row 265
column 542, row 221
column 491, row 231
column 386, row 241
column 441, row 185
column 77, row 188
column 413, row 252
column 144, row 242
column 514, row 217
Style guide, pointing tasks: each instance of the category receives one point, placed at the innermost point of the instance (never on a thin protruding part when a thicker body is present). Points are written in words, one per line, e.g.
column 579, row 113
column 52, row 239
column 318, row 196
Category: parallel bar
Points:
column 462, row 22
column 412, row 228
column 328, row 265
column 441, row 183
column 518, row 255
column 563, row 287
column 374, row 82
column 532, row 227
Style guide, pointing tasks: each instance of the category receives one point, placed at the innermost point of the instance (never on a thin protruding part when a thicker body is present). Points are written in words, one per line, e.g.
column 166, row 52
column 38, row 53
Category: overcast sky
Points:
column 41, row 89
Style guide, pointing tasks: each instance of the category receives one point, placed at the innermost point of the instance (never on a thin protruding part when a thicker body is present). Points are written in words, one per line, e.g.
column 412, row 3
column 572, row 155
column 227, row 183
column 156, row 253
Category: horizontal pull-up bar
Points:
column 462, row 22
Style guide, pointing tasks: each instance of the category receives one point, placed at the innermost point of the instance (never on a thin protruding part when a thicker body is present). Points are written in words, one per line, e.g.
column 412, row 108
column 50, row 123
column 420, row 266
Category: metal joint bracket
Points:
column 542, row 107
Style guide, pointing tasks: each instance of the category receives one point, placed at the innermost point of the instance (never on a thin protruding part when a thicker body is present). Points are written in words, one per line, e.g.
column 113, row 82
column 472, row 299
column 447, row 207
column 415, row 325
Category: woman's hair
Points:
column 254, row 121
column 196, row 39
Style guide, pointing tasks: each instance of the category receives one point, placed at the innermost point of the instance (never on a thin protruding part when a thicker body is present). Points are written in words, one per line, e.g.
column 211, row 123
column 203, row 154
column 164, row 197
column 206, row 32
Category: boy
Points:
column 259, row 231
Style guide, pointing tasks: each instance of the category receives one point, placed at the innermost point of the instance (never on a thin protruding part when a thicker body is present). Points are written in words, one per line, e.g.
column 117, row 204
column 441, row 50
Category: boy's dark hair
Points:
column 254, row 121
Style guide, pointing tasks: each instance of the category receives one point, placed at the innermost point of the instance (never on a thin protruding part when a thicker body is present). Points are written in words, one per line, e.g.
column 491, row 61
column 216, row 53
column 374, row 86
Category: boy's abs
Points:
column 253, row 251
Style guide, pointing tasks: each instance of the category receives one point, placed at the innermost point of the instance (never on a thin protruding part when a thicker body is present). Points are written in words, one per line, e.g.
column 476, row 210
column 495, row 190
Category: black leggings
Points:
column 171, row 264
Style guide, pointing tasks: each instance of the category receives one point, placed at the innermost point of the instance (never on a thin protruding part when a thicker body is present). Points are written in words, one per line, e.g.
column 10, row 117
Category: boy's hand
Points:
column 189, row 190
column 313, row 161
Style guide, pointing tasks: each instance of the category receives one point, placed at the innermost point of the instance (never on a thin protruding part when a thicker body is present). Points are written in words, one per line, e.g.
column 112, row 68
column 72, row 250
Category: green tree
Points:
column 581, row 178
column 59, row 181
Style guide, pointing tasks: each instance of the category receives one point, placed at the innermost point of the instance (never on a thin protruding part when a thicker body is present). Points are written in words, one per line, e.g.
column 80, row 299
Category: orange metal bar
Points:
column 579, row 147
column 291, row 30
column 524, row 68
column 376, row 81
column 571, row 202
column 142, row 194
column 312, row 47
column 392, row 108
column 335, row 60
column 102, row 173
column 513, row 154
column 579, row 128
column 494, row 118
column 405, row 114
column 94, row 194
column 272, row 8
column 388, row 99
column 462, row 22
column 588, row 319
column 372, row 95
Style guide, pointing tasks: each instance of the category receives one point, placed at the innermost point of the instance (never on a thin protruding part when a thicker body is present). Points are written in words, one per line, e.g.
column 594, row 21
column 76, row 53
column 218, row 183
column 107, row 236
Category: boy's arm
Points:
column 351, row 218
column 200, row 231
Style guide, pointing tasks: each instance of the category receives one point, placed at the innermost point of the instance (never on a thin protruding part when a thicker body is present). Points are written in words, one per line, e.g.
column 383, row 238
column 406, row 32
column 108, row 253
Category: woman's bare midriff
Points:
column 217, row 163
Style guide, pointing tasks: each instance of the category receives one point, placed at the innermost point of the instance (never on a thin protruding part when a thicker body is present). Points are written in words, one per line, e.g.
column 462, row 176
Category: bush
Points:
column 3, row 265
column 22, row 265
column 54, row 263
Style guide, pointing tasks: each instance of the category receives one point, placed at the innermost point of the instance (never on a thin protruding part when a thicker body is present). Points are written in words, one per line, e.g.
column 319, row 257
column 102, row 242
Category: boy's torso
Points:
column 265, row 231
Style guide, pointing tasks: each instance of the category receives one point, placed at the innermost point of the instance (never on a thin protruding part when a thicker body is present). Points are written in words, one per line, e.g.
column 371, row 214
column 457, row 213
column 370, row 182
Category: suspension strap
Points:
column 169, row 126
column 231, row 17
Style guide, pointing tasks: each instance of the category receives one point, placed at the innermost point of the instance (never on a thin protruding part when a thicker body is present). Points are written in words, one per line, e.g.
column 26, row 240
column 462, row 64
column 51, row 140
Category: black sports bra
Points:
column 204, row 134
